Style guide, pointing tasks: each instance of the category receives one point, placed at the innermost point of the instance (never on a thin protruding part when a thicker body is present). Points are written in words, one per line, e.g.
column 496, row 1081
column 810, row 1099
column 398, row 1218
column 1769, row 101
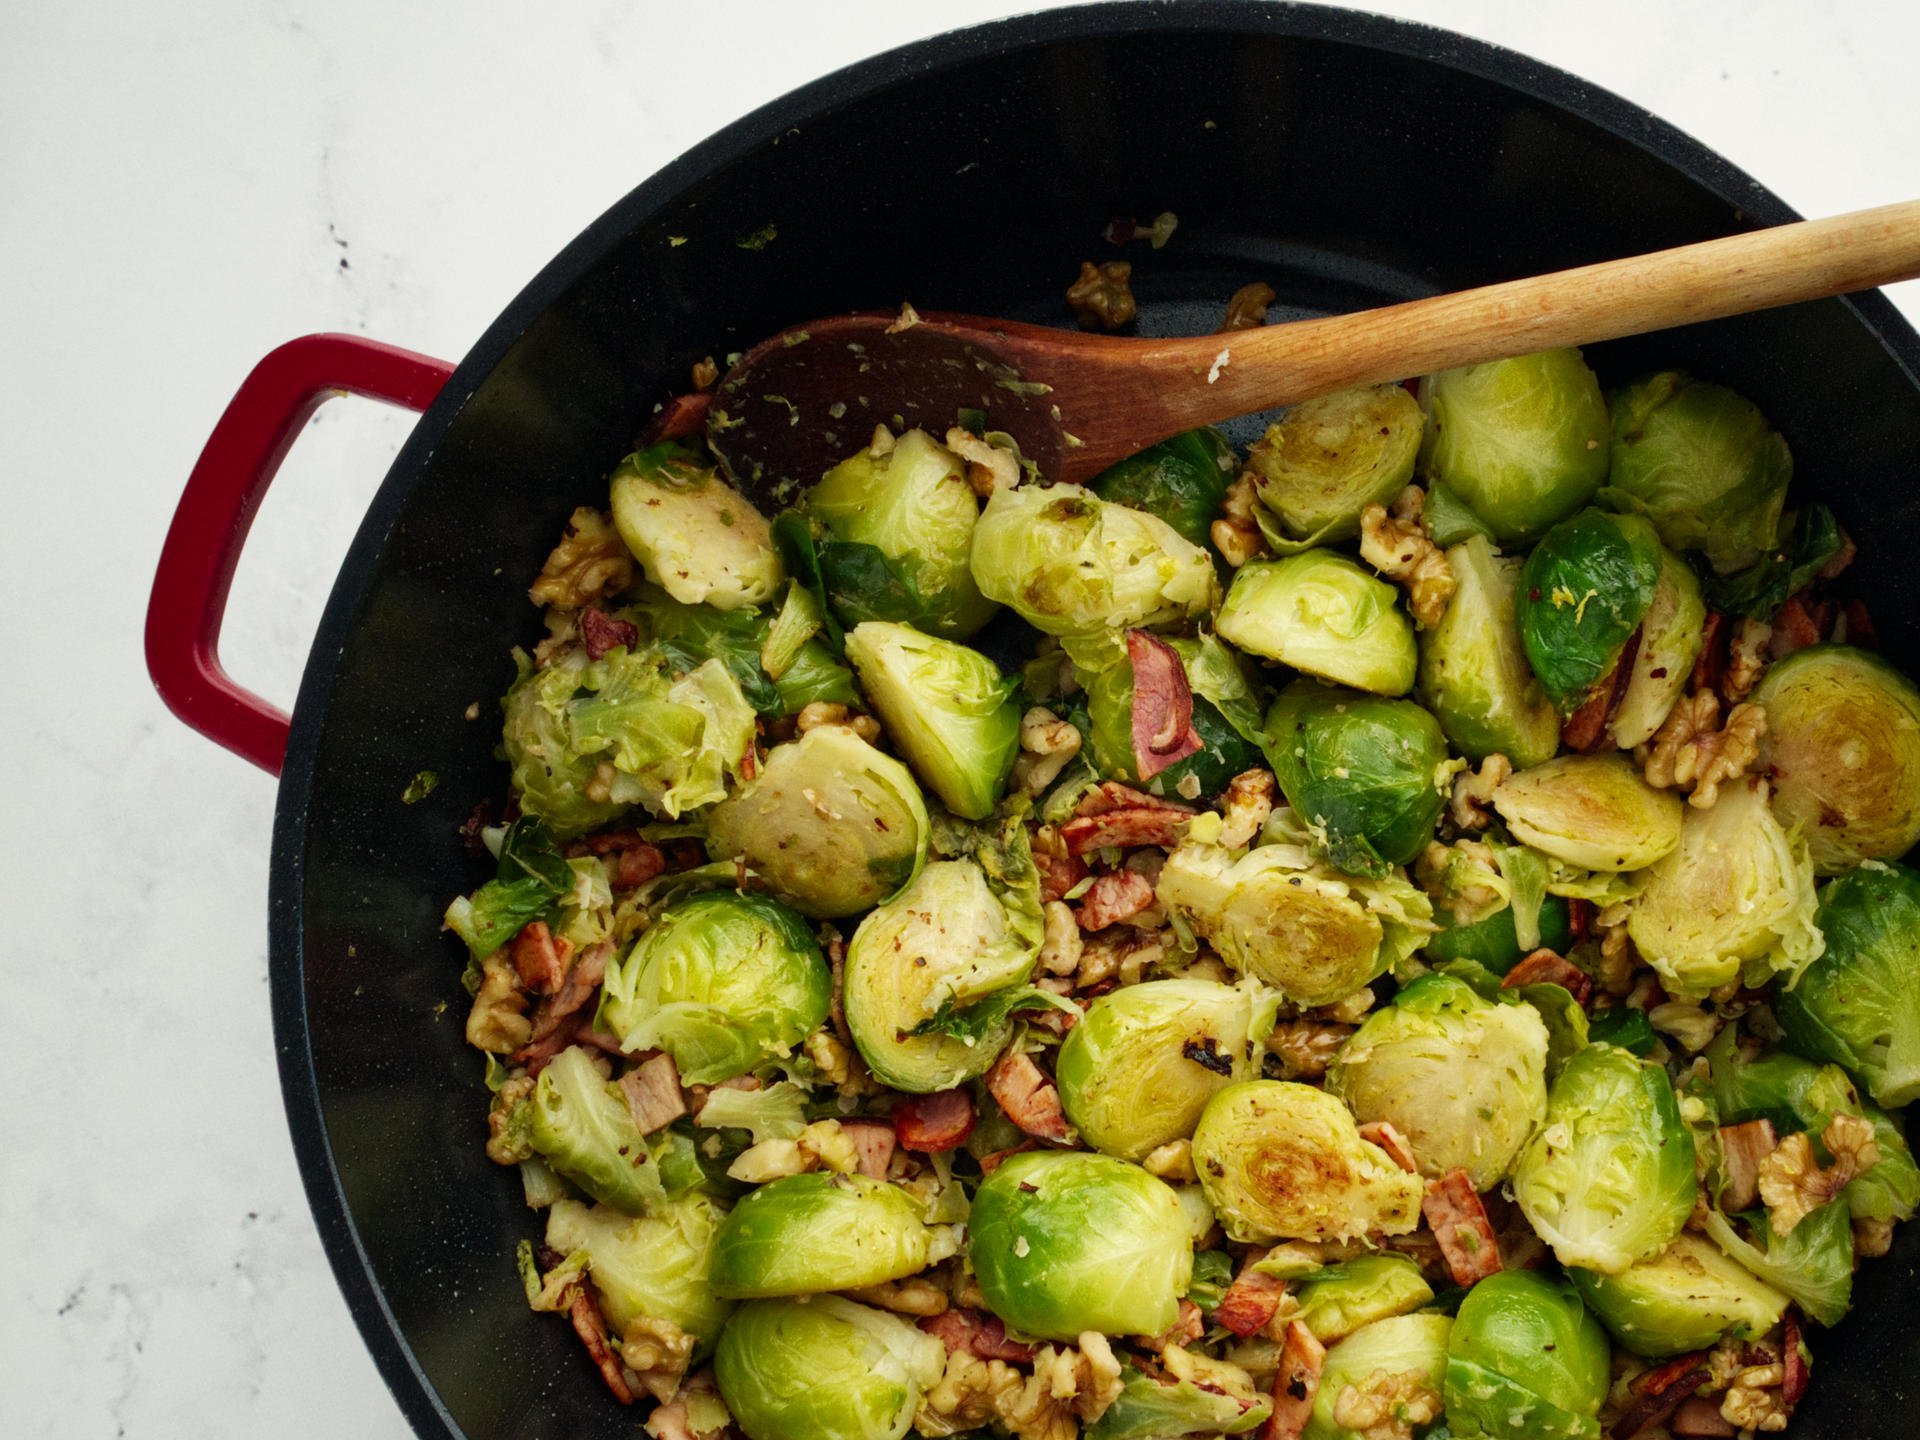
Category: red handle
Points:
column 216, row 510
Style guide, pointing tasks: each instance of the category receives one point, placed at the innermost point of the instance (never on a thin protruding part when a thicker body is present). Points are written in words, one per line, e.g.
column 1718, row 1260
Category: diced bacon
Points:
column 873, row 1144
column 1138, row 825
column 1251, row 1300
column 1711, row 664
column 551, row 1033
column 1657, row 1393
column 1111, row 795
column 1055, row 1022
column 992, row 1161
column 1058, row 875
column 1163, row 732
column 653, row 1093
column 1860, row 629
column 1546, row 967
column 1586, row 729
column 970, row 1332
column 540, row 960
column 1795, row 1371
column 1580, row 918
column 601, row 632
column 1030, row 1099
column 591, row 1326
column 1113, row 897
column 1459, row 1223
column 631, row 861
column 1841, row 559
column 678, row 418
column 1295, row 1384
column 933, row 1124
column 1189, row 1324
column 1382, row 1133
column 1696, row 1419
column 1794, row 628
column 1743, row 1148
column 585, row 1033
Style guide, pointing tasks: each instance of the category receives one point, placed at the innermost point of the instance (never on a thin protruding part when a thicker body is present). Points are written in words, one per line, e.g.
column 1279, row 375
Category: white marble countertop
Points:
column 186, row 186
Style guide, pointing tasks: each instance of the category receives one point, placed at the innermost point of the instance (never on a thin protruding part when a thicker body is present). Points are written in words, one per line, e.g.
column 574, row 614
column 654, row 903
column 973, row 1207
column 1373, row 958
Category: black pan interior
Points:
column 1346, row 160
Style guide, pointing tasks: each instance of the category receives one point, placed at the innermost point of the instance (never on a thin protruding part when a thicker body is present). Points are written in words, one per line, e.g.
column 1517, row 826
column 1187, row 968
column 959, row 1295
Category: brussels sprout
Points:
column 1328, row 459
column 1812, row 539
column 1369, row 776
column 823, row 1369
column 1609, row 1178
column 1326, row 614
column 1737, row 894
column 1182, row 480
column 1671, row 634
column 1843, row 748
column 1702, row 463
column 695, row 536
column 1284, row 1161
column 899, row 536
column 1525, row 1359
column 1473, row 672
column 1141, row 1064
column 1223, row 708
column 1688, row 1297
column 947, row 708
column 650, row 1268
column 946, row 942
column 1858, row 1005
column 1407, row 1353
column 819, row 1231
column 1594, row 811
column 1158, row 1409
column 1070, row 563
column 1464, row 1079
column 1316, row 935
column 1064, row 1241
column 1582, row 593
column 1493, row 942
column 1340, row 1299
column 583, row 1129
column 1521, row 442
column 834, row 826
column 723, row 982
column 740, row 640
column 1813, row 1263
column 672, row 740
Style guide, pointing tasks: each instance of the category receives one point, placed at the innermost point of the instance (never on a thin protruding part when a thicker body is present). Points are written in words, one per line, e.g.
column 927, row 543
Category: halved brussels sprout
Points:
column 1182, row 480
column 723, row 981
column 1339, row 1299
column 1702, row 463
column 697, row 538
column 899, row 537
column 1284, row 1161
column 1736, row 895
column 741, row 640
column 1326, row 460
column 1690, row 1296
column 1609, row 1178
column 1671, row 634
column 1474, row 675
column 1594, row 811
column 671, row 741
column 583, row 1129
column 1316, row 935
column 1063, row 1242
column 1858, row 1005
column 1224, row 708
column 1326, row 614
column 1583, row 592
column 1462, row 1078
column 1813, row 1263
column 833, row 825
column 1369, row 776
column 804, row 1234
column 654, row 1267
column 1843, row 748
column 1150, row 1408
column 1521, row 442
column 946, row 942
column 1402, row 1359
column 1494, row 942
column 1070, row 563
column 1141, row 1064
column 947, row 708
column 823, row 1368
column 1524, row 1358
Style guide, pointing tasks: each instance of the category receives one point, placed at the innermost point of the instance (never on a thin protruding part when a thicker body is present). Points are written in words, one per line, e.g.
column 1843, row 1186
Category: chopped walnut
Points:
column 1688, row 753
column 657, row 1351
column 705, row 373
column 563, row 633
column 823, row 1145
column 1618, row 959
column 1305, row 1048
column 1047, row 744
column 508, row 1143
column 1872, row 1238
column 1197, row 1368
column 1123, row 955
column 917, row 1296
column 1754, row 1400
column 1793, row 1183
column 590, row 563
column 1349, row 1010
column 1746, row 658
column 839, row 1063
column 1236, row 534
column 1172, row 1162
column 880, row 444
column 1102, row 298
column 1471, row 807
column 1061, row 948
column 1247, row 310
column 831, row 712
column 1248, row 804
column 1386, row 1406
column 1398, row 547
column 695, row 1413
column 967, row 1395
column 498, row 1022
column 990, row 467
column 1694, row 1026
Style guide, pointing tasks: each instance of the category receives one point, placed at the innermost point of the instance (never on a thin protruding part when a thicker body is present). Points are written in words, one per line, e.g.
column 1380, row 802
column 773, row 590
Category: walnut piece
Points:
column 1793, row 1183
column 1746, row 658
column 839, row 1063
column 1386, row 1406
column 1172, row 1162
column 1872, row 1238
column 590, row 563
column 989, row 467
column 917, row 1296
column 831, row 712
column 498, row 1022
column 705, row 373
column 509, row 1143
column 1397, row 545
column 1305, row 1048
column 1249, row 802
column 1047, row 745
column 1694, row 1026
column 823, row 1145
column 657, row 1351
column 1754, row 1401
column 1247, row 310
column 1236, row 534
column 1688, row 753
column 1618, row 959
column 1102, row 298
column 1471, row 807
column 1061, row 947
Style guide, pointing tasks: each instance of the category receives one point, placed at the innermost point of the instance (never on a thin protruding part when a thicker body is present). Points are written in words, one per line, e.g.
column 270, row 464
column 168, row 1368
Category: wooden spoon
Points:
column 796, row 404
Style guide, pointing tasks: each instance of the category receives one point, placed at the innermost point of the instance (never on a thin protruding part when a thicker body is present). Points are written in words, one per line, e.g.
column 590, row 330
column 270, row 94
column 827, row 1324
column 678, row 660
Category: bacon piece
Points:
column 1744, row 1147
column 1795, row 1372
column 1658, row 1392
column 1546, row 967
column 631, row 861
column 1030, row 1099
column 873, row 1143
column 1794, row 628
column 1137, row 825
column 1710, row 666
column 1841, row 558
column 1190, row 1323
column 1059, row 1022
column 1697, row 1419
column 1163, row 732
column 1251, row 1300
column 1860, row 629
column 602, row 632
column 539, row 960
column 1586, row 729
column 1058, row 875
column 1459, row 1223
column 1295, row 1384
column 933, row 1124
column 1580, row 918
column 1114, row 897
column 992, row 1161
column 970, row 1332
column 653, row 1093
column 678, row 418
column 591, row 1326
column 1110, row 795
column 551, row 1033
column 1382, row 1133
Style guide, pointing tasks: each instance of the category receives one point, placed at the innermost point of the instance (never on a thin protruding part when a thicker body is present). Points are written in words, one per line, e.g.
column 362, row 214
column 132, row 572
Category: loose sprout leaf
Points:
column 1156, row 1409
column 798, row 621
column 974, row 1023
column 531, row 877
column 1182, row 480
column 1212, row 1274
column 1526, row 875
column 863, row 584
column 1449, row 520
column 1813, row 1262
column 1627, row 1028
column 777, row 1112
column 800, row 553
column 1763, row 587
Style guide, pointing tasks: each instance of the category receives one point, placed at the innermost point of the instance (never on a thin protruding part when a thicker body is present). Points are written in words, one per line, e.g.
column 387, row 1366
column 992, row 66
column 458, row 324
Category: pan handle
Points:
column 216, row 510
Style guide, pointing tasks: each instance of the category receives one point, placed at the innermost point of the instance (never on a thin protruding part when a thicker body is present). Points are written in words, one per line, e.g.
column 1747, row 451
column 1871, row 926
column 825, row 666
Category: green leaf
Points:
column 1761, row 589
column 976, row 1022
